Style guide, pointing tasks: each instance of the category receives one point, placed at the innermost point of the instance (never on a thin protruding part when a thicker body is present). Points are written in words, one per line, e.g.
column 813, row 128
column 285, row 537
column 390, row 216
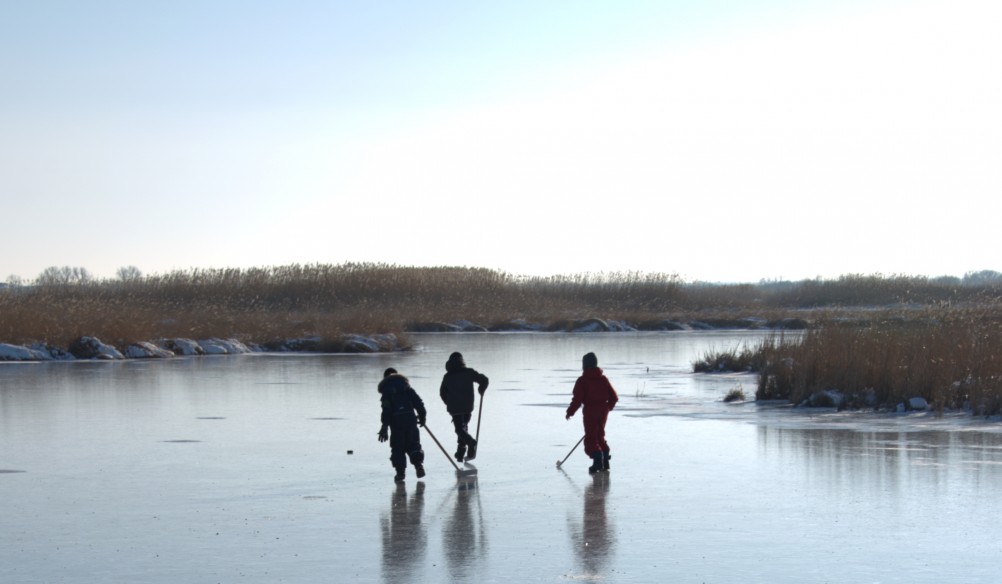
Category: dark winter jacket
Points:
column 457, row 386
column 593, row 390
column 399, row 400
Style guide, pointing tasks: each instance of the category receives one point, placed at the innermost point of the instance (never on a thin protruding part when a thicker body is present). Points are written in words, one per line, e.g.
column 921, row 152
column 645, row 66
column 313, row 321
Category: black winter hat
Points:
column 589, row 360
column 457, row 359
column 389, row 371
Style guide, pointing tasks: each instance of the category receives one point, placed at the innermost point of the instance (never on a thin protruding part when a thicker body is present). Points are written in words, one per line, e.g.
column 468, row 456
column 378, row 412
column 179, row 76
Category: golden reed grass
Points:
column 950, row 356
column 873, row 338
column 285, row 302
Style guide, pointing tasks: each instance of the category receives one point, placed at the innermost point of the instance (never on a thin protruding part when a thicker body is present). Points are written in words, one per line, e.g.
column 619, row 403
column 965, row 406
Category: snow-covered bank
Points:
column 92, row 348
column 589, row 325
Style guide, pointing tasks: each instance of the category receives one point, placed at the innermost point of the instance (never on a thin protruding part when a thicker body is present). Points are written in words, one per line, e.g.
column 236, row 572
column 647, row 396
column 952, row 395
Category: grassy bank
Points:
column 326, row 301
column 950, row 357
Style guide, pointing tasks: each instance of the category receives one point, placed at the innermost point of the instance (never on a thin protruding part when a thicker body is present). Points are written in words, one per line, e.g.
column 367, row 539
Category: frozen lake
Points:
column 266, row 468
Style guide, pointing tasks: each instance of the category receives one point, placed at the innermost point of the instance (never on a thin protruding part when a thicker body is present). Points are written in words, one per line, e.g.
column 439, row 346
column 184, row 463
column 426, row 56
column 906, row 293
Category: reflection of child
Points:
column 595, row 393
column 399, row 401
column 404, row 537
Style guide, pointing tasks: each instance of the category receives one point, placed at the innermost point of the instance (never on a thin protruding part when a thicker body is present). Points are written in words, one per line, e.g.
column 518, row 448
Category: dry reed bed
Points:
column 271, row 304
column 952, row 358
column 326, row 301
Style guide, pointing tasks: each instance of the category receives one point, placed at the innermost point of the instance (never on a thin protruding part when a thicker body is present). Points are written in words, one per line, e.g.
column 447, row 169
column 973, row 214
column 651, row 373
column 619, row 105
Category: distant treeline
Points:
column 327, row 300
column 858, row 290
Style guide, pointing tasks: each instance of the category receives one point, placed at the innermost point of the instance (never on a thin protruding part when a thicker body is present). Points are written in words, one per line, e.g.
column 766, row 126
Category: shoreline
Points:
column 92, row 348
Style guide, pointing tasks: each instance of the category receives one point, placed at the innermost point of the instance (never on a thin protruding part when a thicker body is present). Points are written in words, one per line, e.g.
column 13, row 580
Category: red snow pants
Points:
column 594, row 428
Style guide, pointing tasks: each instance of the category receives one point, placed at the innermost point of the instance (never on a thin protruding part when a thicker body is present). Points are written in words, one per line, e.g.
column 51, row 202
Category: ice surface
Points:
column 266, row 468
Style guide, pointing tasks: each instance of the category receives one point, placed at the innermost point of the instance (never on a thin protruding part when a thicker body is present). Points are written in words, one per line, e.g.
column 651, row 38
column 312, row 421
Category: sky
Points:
column 720, row 140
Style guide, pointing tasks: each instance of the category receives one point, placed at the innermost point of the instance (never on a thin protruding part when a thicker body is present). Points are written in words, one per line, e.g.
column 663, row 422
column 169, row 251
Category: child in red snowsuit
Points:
column 596, row 394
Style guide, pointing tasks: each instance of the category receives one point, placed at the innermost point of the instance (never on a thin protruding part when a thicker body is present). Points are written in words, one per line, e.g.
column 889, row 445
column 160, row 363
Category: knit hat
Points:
column 589, row 360
column 389, row 372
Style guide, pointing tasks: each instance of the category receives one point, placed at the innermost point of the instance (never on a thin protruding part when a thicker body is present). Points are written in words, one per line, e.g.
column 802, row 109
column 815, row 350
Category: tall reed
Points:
column 327, row 300
column 952, row 358
column 272, row 303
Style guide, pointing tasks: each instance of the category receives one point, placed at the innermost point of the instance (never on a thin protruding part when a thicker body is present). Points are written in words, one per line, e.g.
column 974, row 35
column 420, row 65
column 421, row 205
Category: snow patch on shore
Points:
column 144, row 350
column 19, row 353
column 216, row 346
column 186, row 347
column 94, row 348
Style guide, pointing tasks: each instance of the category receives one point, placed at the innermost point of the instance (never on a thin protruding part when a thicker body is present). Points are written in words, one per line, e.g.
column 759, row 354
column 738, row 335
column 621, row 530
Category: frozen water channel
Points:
column 266, row 468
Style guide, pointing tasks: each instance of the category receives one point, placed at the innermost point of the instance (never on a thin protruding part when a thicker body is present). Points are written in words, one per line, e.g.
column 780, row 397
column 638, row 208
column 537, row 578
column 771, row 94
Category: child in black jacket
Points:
column 399, row 402
column 457, row 393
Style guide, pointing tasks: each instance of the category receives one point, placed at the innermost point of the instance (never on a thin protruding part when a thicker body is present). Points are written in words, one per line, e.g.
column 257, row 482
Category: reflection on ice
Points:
column 405, row 538
column 705, row 491
column 468, row 471
column 592, row 538
column 882, row 460
column 464, row 535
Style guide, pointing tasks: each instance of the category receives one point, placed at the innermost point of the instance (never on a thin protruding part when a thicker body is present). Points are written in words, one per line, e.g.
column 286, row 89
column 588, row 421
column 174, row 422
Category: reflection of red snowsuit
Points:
column 594, row 391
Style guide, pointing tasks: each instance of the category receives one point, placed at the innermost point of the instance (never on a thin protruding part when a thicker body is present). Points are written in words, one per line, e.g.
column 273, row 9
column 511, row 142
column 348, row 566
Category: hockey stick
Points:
column 459, row 471
column 480, row 412
column 559, row 462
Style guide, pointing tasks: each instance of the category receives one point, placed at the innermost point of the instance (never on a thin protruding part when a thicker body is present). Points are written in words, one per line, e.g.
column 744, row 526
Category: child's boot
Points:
column 417, row 460
column 605, row 460
column 460, row 452
column 596, row 465
column 401, row 471
column 471, row 452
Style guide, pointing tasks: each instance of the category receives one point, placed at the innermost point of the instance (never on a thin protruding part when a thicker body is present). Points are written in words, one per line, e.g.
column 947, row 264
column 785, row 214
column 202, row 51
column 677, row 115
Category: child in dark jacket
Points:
column 399, row 402
column 596, row 394
column 457, row 393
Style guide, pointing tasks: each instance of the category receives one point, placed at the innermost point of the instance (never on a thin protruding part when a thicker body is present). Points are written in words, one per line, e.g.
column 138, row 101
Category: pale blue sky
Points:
column 726, row 141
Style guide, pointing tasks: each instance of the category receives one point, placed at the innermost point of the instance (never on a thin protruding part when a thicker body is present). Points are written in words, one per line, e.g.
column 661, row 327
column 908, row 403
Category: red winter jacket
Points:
column 592, row 390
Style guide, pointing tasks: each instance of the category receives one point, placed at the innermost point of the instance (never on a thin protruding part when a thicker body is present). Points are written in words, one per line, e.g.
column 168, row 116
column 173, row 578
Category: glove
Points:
column 420, row 421
column 383, row 435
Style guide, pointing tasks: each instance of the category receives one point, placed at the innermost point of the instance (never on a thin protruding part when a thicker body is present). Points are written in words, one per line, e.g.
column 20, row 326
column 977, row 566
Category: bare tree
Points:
column 58, row 276
column 982, row 278
column 128, row 273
